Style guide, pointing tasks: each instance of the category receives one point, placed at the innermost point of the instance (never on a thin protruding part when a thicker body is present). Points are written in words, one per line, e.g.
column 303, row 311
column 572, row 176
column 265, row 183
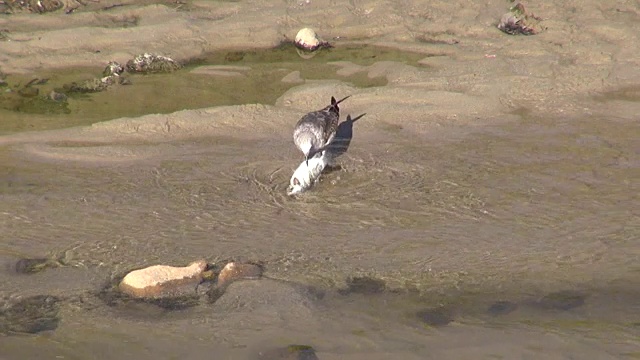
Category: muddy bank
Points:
column 586, row 47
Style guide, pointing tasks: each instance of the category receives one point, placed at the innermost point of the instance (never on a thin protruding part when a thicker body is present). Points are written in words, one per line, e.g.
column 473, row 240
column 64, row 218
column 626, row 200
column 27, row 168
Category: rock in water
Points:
column 163, row 280
column 30, row 315
column 33, row 265
column 308, row 40
column 113, row 69
column 291, row 352
column 110, row 75
column 237, row 271
column 151, row 63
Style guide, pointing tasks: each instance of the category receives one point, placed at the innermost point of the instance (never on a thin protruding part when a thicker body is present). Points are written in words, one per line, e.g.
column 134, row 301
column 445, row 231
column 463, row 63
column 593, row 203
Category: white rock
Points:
column 162, row 280
column 307, row 39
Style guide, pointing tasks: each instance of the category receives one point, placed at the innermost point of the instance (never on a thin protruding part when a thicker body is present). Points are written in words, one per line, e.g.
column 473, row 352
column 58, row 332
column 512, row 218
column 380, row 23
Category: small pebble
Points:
column 56, row 96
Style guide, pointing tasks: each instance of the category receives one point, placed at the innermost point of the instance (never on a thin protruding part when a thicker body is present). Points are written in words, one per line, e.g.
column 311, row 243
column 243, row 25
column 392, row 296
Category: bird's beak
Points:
column 306, row 160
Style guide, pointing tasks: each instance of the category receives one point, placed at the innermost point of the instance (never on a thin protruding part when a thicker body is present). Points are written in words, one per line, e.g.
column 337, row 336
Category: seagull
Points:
column 316, row 130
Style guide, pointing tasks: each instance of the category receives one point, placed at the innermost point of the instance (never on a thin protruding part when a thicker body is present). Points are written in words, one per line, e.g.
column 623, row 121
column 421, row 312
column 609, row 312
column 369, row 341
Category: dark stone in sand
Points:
column 30, row 315
column 89, row 86
column 435, row 316
column 291, row 352
column 29, row 91
column 363, row 285
column 57, row 97
column 30, row 266
column 234, row 56
column 562, row 300
column 502, row 308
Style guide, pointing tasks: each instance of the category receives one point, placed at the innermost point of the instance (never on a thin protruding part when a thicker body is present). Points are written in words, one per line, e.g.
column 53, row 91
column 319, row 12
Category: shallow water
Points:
column 517, row 212
column 255, row 77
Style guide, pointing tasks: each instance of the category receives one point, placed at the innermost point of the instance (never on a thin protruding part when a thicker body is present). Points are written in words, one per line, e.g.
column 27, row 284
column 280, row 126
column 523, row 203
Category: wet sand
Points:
column 503, row 168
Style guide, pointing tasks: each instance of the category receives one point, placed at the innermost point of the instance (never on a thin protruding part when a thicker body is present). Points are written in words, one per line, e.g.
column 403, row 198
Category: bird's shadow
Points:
column 342, row 141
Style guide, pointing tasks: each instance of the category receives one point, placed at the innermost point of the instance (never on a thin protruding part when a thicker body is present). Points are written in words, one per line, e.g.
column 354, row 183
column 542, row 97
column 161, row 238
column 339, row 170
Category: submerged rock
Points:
column 230, row 273
column 162, row 280
column 27, row 99
column 89, row 86
column 30, row 315
column 439, row 316
column 110, row 75
column 293, row 78
column 363, row 285
column 34, row 265
column 57, row 97
column 30, row 266
column 238, row 271
column 502, row 308
column 308, row 40
column 150, row 63
column 519, row 21
column 28, row 91
column 562, row 300
column 234, row 56
column 291, row 352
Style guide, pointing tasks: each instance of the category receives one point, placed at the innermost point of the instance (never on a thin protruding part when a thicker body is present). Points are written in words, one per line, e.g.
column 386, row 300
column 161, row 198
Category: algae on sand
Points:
column 93, row 99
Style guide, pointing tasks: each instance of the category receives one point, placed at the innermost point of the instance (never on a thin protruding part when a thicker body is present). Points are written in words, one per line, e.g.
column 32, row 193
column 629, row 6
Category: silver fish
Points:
column 308, row 173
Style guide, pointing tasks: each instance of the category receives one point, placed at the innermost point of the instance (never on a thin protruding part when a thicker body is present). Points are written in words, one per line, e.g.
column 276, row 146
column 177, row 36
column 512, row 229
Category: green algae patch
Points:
column 155, row 84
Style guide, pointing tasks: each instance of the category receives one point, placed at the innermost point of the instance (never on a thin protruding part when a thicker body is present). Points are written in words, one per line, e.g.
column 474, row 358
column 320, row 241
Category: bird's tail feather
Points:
column 334, row 103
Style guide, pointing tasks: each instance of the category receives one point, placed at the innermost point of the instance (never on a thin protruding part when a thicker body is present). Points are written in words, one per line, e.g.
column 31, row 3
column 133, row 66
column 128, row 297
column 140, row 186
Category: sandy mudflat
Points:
column 477, row 73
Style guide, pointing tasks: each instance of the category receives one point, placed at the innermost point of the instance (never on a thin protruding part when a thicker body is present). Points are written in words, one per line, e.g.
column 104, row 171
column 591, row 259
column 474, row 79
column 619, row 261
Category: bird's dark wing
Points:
column 330, row 125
